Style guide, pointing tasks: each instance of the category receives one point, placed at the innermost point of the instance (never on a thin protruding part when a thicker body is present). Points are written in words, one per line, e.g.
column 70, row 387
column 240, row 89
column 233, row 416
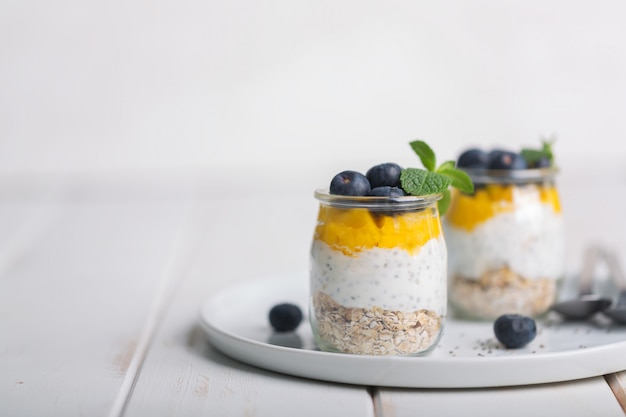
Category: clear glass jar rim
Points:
column 481, row 175
column 377, row 202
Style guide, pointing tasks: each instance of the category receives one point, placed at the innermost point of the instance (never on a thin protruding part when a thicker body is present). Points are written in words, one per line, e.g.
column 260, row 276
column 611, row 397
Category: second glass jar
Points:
column 506, row 244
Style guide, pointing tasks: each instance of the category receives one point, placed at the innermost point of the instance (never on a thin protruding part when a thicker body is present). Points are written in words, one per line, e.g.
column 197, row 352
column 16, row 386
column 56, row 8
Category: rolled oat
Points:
column 374, row 331
column 499, row 292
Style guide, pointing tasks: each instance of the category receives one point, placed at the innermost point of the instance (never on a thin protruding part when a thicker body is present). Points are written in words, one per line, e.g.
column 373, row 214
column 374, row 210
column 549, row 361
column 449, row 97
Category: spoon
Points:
column 587, row 304
column 616, row 311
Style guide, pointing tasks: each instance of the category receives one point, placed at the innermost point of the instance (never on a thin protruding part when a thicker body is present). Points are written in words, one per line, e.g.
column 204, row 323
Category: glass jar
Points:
column 378, row 275
column 506, row 243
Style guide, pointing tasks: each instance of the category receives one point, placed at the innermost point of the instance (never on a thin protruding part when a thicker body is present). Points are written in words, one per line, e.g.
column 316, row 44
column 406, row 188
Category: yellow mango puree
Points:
column 357, row 229
column 468, row 211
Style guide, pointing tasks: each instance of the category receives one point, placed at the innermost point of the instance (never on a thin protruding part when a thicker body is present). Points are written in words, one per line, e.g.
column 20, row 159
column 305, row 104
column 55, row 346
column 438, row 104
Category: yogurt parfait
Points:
column 506, row 240
column 378, row 275
column 378, row 265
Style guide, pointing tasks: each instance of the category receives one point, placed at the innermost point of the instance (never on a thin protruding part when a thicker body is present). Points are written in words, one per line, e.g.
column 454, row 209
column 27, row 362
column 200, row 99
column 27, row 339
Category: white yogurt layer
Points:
column 530, row 241
column 391, row 279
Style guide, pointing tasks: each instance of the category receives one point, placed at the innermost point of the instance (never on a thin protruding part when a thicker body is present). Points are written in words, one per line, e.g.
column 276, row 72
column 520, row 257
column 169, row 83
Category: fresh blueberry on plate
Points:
column 515, row 330
column 285, row 317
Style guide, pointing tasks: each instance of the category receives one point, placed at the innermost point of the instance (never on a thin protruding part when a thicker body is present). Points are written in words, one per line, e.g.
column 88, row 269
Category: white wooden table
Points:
column 101, row 283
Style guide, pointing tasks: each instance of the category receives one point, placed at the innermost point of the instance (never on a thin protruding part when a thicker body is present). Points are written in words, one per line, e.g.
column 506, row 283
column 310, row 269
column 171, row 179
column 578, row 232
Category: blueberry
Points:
column 473, row 158
column 494, row 153
column 387, row 191
column 351, row 183
column 543, row 162
column 285, row 317
column 507, row 160
column 384, row 174
column 514, row 330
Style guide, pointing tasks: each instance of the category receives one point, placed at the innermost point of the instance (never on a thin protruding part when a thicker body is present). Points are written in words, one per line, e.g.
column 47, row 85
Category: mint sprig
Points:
column 419, row 182
column 425, row 153
column 444, row 203
column 532, row 156
column 459, row 179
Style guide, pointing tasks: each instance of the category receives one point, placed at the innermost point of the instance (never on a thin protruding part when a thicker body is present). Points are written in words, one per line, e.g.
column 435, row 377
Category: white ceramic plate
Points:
column 236, row 322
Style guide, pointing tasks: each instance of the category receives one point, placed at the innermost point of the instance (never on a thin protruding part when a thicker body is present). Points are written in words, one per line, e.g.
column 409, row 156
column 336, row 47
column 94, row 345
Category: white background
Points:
column 282, row 90
column 249, row 96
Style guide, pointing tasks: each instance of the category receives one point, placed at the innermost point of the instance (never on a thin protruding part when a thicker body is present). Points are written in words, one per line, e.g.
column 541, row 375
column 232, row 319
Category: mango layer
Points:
column 358, row 229
column 468, row 211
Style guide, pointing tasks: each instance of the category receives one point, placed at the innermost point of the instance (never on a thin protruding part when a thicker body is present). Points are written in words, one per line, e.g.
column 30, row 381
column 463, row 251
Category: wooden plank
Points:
column 588, row 397
column 74, row 302
column 236, row 239
column 617, row 382
column 183, row 375
column 22, row 223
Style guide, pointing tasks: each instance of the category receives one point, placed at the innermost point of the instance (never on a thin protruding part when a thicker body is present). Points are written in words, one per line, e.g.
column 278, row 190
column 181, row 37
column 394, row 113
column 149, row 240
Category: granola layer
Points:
column 373, row 331
column 501, row 291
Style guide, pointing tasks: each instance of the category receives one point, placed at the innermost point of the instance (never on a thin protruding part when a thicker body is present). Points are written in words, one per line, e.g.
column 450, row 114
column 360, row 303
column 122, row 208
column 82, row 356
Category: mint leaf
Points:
column 458, row 179
column 421, row 182
column 534, row 155
column 547, row 148
column 444, row 203
column 446, row 165
column 425, row 153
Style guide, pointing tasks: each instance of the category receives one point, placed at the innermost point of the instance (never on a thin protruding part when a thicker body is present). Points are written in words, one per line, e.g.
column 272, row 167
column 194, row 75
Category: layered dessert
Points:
column 378, row 278
column 506, row 243
column 378, row 260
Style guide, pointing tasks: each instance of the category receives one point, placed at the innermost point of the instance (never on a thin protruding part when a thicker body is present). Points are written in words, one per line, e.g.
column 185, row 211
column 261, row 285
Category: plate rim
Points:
column 572, row 364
